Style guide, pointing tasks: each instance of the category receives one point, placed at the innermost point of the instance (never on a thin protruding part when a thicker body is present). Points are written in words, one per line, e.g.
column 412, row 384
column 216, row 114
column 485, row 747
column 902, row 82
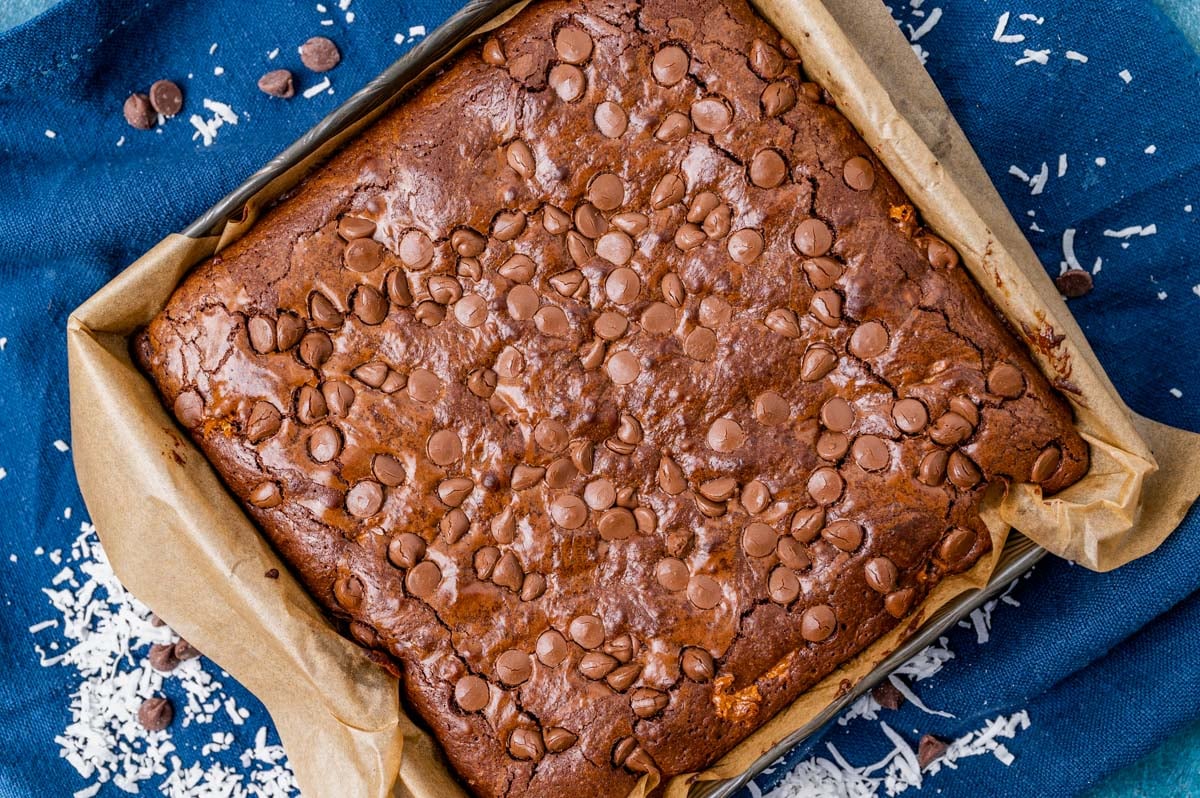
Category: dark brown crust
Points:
column 438, row 163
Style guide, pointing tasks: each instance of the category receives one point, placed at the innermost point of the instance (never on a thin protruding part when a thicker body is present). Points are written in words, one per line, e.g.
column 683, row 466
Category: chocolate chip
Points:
column 493, row 52
column 623, row 677
column 837, row 414
column 792, row 555
column 870, row 453
column 138, row 112
column 423, row 579
column 533, row 587
column 509, row 573
column 323, row 312
column 526, row 744
column 822, row 272
column 745, row 246
column 670, row 477
column 454, row 524
column 783, row 586
column 670, row 65
column 364, row 499
column 1046, row 464
column 961, row 472
column 471, row 311
column 807, row 523
column 887, row 696
column 826, row 306
column 832, row 446
column 568, row 511
column 725, row 435
column 155, row 714
column 669, row 190
column 520, row 158
column 623, row 368
column 869, row 340
column 444, row 447
column 266, row 495
column 899, row 602
column 573, row 45
column 697, row 664
column 755, row 497
column 818, row 361
column 1073, row 283
column 277, row 83
column 611, row 119
column 263, row 422
column 818, row 623
column 617, row 524
column 454, row 491
column 940, row 254
column 825, row 485
column 559, row 739
column 765, row 60
column 689, row 236
column 674, row 127
column 719, row 489
column 596, row 665
column 324, row 444
column 606, row 191
column 932, row 470
column 716, row 224
column 369, row 305
column 162, row 657
column 397, row 288
column 507, row 225
column 568, row 82
column 950, row 429
column 271, row 573
column 647, row 702
column 1006, row 380
column 166, row 97
column 319, row 54
column 551, row 648
column 338, row 397
column 704, row 591
column 615, row 247
column 349, row 592
column 711, row 115
column 645, row 519
column 471, row 693
column 858, row 173
column 881, row 574
column 525, row 476
column 672, row 574
column 843, row 534
column 956, row 546
column 812, row 237
column 672, row 289
column 373, row 374
column 777, row 98
column 768, row 169
column 405, row 550
column 929, row 749
column 759, row 540
column 910, row 415
column 189, row 408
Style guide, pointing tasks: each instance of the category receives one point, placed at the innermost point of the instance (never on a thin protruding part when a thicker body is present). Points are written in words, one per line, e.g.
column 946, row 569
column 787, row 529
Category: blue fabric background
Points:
column 1106, row 665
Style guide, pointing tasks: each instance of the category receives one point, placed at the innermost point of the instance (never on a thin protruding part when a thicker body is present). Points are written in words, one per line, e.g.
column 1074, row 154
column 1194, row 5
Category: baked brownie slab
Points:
column 611, row 387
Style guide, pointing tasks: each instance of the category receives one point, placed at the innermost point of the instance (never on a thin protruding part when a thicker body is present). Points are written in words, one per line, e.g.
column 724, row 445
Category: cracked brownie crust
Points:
column 611, row 389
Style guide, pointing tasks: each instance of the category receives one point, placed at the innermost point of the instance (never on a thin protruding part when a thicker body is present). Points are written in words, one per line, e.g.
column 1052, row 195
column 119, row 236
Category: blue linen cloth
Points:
column 1104, row 665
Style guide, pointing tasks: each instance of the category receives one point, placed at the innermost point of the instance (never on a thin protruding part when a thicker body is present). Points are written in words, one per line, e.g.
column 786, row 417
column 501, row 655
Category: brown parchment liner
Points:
column 182, row 544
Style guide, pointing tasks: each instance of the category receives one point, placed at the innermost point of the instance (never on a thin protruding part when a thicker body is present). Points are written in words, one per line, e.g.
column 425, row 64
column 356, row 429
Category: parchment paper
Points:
column 180, row 542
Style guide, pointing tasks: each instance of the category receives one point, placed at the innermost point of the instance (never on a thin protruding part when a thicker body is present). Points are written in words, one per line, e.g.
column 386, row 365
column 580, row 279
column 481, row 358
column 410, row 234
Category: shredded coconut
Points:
column 105, row 634
column 313, row 91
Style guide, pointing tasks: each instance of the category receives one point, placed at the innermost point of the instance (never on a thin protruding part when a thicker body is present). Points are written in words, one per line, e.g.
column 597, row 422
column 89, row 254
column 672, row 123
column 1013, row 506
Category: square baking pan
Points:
column 232, row 215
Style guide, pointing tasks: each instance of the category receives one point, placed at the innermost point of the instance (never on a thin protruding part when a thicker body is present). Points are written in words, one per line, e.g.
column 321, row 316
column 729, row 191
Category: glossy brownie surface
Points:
column 611, row 387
